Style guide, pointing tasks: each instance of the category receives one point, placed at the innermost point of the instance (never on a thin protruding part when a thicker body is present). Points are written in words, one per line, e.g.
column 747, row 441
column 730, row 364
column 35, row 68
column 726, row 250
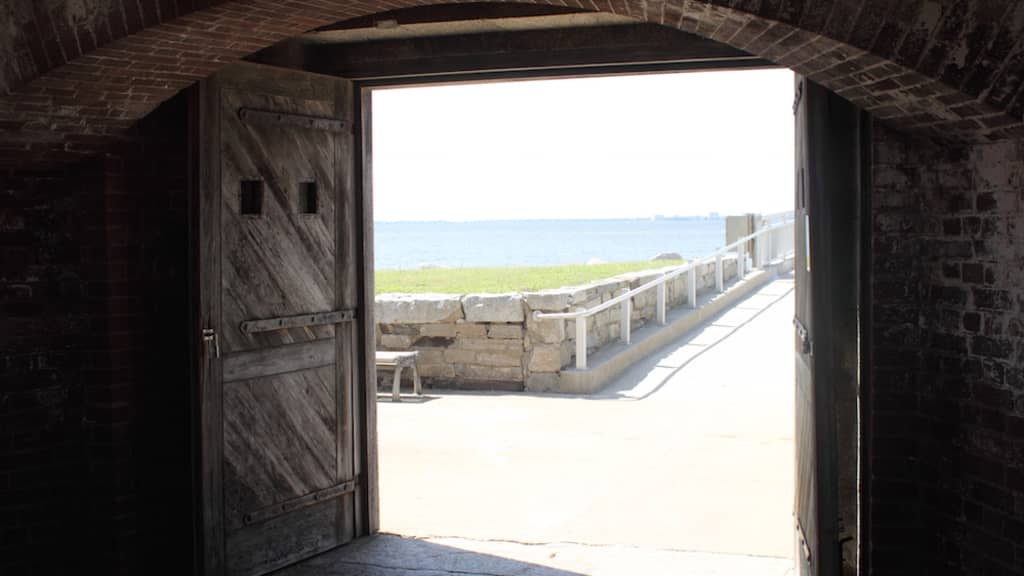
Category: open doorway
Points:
column 490, row 203
column 335, row 337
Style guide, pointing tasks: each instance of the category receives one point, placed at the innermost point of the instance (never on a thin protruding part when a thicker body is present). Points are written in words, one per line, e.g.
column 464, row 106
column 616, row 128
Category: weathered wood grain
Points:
column 283, row 540
column 368, row 499
column 280, row 263
column 279, row 440
column 278, row 360
column 210, row 403
column 275, row 80
column 278, row 409
column 346, row 288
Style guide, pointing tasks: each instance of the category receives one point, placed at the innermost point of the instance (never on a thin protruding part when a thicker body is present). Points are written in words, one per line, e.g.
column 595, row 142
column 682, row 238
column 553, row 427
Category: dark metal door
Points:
column 279, row 295
column 826, row 265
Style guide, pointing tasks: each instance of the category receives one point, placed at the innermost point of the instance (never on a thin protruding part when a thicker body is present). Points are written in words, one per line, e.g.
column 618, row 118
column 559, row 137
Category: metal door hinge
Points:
column 805, row 337
column 212, row 343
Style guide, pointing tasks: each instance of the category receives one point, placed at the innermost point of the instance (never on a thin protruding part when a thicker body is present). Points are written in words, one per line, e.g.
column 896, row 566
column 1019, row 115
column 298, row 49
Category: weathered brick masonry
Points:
column 948, row 374
column 79, row 72
column 92, row 438
column 43, row 326
column 90, row 249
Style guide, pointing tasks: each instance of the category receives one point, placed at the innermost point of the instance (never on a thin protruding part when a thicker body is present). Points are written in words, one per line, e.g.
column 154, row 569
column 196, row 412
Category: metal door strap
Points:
column 301, row 502
column 298, row 321
column 254, row 116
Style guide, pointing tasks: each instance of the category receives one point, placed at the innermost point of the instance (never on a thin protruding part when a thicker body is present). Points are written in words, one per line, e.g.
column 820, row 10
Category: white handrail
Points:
column 625, row 299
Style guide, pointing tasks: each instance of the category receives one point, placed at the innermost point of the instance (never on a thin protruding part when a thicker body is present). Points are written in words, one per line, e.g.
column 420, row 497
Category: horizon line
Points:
column 653, row 218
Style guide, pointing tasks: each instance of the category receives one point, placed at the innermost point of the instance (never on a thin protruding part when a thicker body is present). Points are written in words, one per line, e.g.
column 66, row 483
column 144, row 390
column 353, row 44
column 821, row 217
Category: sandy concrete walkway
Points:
column 690, row 452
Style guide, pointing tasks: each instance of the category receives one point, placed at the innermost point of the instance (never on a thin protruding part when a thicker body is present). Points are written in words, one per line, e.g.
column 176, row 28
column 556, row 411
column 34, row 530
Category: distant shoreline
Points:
column 636, row 219
column 516, row 243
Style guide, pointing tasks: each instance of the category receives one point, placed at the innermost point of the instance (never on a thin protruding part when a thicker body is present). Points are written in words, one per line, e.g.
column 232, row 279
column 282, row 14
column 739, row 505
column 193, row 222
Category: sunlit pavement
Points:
column 683, row 466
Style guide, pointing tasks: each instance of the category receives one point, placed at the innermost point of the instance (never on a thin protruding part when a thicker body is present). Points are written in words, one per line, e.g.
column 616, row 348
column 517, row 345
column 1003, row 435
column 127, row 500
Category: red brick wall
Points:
column 90, row 434
column 948, row 355
column 94, row 389
column 43, row 326
column 78, row 74
column 48, row 34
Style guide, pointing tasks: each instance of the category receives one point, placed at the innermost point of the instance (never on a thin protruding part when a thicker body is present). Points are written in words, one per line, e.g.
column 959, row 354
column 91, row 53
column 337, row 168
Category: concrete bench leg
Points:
column 395, row 396
column 416, row 386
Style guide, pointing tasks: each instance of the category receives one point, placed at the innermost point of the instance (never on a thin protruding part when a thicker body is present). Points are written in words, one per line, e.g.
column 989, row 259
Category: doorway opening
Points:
column 499, row 195
column 335, row 336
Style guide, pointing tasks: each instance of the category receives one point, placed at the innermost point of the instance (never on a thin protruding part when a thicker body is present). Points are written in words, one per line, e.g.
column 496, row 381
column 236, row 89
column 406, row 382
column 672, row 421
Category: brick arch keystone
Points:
column 78, row 75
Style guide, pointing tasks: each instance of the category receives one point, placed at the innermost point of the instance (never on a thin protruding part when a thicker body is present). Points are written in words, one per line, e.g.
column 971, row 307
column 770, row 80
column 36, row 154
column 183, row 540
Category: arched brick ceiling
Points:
column 76, row 73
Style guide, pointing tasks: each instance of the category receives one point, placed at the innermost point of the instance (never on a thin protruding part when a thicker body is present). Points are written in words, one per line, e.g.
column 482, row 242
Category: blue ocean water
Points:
column 411, row 245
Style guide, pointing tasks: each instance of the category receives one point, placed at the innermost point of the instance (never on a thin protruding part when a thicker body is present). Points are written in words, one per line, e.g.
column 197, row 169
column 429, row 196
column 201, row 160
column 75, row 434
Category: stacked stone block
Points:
column 464, row 341
column 493, row 342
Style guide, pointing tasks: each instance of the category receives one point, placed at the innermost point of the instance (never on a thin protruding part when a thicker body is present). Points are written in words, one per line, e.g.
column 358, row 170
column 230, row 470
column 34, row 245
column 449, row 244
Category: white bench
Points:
column 396, row 361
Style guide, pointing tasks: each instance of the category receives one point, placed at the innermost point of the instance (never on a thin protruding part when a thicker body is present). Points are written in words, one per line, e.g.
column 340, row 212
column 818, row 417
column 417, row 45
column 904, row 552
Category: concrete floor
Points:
column 683, row 466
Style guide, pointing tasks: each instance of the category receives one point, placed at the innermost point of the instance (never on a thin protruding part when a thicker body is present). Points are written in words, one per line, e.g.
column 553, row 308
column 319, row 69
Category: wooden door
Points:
column 280, row 293
column 827, row 189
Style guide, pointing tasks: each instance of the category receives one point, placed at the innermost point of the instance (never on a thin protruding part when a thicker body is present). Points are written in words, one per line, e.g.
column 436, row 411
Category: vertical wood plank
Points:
column 195, row 358
column 347, row 295
column 210, row 397
column 369, row 514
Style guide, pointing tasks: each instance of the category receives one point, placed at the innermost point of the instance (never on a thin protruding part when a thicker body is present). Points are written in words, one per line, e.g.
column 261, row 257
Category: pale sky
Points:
column 611, row 147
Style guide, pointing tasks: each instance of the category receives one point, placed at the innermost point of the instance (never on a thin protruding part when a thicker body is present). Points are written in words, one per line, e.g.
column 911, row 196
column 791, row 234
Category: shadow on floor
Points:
column 391, row 555
column 407, row 398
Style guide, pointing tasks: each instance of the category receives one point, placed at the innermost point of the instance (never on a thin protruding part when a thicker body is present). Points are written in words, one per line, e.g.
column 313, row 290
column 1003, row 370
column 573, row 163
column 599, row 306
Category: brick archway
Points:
column 77, row 76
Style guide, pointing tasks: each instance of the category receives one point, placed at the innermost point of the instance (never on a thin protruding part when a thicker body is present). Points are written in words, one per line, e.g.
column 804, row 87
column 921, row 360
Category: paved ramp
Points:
column 683, row 466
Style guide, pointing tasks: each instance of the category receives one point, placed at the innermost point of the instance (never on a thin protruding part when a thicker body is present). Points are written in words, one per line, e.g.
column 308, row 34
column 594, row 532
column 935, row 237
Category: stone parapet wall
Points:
column 474, row 341
column 492, row 341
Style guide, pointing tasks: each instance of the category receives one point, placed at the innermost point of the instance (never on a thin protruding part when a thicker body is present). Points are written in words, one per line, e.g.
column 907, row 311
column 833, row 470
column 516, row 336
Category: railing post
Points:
column 581, row 343
column 624, row 319
column 692, row 296
column 773, row 243
column 755, row 258
column 661, row 303
column 719, row 274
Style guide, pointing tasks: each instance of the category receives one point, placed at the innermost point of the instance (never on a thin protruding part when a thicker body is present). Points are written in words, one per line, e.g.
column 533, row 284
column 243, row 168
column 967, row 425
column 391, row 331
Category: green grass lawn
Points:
column 524, row 279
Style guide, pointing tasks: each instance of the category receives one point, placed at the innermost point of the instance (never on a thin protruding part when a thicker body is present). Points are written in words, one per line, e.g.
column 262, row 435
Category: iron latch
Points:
column 804, row 547
column 212, row 343
column 804, row 336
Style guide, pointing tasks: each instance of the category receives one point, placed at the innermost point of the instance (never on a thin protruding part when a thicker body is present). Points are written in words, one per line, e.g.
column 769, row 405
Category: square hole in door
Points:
column 251, row 197
column 308, row 201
